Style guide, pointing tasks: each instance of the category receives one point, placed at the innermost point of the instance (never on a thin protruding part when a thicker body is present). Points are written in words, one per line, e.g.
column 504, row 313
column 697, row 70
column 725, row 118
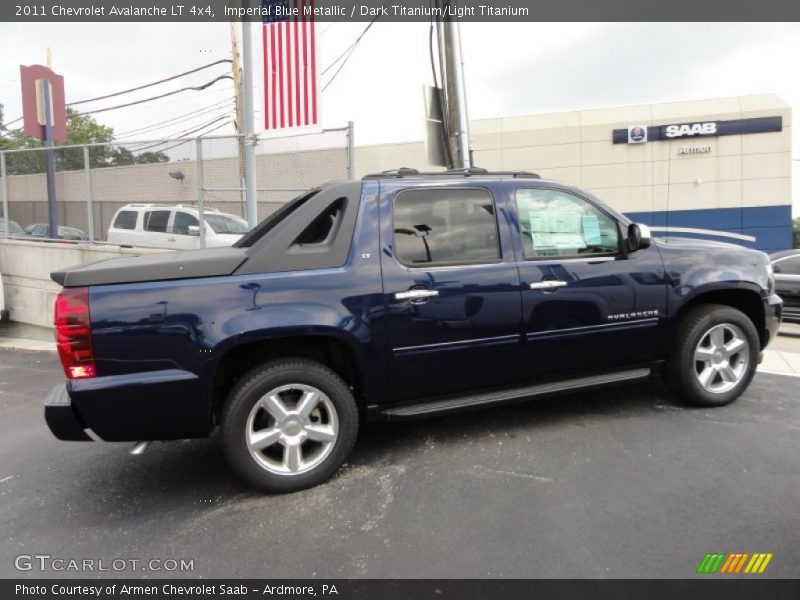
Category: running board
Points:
column 489, row 398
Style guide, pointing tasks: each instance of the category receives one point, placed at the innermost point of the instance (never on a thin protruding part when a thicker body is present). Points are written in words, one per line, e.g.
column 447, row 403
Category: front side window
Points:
column 183, row 221
column 156, row 220
column 445, row 226
column 557, row 223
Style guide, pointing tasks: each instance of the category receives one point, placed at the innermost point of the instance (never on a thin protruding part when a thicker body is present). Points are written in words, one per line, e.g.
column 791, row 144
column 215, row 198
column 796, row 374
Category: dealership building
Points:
column 716, row 169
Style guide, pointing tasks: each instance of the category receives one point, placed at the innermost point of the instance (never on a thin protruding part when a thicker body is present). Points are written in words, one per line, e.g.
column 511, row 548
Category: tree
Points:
column 81, row 129
column 796, row 233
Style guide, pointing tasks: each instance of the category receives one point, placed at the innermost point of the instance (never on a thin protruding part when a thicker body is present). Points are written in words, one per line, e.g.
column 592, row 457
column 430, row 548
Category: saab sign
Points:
column 638, row 134
column 690, row 129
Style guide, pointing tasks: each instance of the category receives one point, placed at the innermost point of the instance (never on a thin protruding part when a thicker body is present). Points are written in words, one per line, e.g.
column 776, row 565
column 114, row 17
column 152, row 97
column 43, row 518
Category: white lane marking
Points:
column 4, row 479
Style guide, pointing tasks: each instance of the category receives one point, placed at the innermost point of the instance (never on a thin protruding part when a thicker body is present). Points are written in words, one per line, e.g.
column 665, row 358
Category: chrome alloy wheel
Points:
column 292, row 429
column 721, row 358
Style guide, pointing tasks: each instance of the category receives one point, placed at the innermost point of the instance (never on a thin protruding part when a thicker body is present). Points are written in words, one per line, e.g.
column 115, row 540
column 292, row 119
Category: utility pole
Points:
column 236, row 67
column 453, row 88
column 251, row 201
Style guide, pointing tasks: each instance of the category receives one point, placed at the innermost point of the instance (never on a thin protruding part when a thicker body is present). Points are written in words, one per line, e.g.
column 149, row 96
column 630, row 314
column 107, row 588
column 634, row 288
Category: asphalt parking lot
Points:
column 618, row 483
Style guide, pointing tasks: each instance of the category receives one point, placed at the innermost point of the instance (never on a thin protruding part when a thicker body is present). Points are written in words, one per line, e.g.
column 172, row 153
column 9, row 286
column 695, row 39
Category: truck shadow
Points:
column 195, row 471
column 185, row 478
column 379, row 440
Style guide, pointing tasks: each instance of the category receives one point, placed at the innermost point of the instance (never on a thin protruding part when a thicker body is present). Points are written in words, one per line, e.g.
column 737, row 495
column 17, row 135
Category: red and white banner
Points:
column 291, row 90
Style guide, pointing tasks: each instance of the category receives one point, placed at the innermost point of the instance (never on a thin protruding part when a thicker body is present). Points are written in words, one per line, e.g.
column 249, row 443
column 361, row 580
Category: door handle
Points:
column 172, row 239
column 548, row 284
column 416, row 294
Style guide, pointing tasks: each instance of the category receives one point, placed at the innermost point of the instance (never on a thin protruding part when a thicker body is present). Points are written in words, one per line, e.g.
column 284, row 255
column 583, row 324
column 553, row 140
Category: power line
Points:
column 217, row 113
column 173, row 92
column 147, row 85
column 171, row 100
column 350, row 48
column 176, row 119
column 221, row 125
column 345, row 56
column 141, row 87
column 181, row 134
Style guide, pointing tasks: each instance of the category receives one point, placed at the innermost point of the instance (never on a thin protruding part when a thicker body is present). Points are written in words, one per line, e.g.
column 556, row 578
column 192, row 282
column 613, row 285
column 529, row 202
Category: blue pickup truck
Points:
column 398, row 296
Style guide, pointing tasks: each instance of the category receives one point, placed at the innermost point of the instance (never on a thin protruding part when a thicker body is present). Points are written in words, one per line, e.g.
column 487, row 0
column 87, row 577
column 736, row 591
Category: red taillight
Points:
column 74, row 333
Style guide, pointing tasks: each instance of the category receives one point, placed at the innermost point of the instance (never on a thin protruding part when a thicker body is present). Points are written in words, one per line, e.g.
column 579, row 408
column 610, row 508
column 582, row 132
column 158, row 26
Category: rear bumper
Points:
column 61, row 417
column 158, row 405
column 773, row 313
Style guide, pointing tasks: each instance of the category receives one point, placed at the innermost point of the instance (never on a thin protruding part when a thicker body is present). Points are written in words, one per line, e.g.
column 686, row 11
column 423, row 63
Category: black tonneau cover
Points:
column 209, row 262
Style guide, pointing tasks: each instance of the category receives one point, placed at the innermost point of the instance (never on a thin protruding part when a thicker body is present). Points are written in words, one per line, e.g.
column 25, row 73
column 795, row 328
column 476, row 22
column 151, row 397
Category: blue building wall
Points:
column 771, row 226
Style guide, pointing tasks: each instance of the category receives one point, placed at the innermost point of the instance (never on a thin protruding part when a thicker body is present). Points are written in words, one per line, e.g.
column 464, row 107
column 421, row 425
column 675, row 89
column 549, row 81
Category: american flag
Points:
column 290, row 64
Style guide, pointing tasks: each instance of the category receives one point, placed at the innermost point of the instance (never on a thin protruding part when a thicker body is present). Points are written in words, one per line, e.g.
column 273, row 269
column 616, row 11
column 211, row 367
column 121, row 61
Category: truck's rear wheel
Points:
column 714, row 356
column 288, row 425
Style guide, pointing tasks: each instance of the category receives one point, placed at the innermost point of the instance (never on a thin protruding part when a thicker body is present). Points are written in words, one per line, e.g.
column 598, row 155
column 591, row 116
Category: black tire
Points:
column 241, row 402
column 682, row 369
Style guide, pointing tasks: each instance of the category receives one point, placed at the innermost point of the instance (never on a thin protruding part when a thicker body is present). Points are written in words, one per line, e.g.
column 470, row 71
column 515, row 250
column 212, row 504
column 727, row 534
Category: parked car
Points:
column 13, row 228
column 42, row 230
column 395, row 297
column 786, row 265
column 156, row 226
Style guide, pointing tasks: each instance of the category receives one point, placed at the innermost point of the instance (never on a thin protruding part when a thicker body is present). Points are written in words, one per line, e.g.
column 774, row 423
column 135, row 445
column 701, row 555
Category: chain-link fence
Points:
column 169, row 193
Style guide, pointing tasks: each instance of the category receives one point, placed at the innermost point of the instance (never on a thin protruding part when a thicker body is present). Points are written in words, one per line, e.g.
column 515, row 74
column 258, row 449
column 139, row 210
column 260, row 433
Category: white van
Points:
column 159, row 226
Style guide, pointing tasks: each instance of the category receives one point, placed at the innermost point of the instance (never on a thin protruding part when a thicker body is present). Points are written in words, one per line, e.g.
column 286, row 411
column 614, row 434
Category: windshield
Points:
column 225, row 224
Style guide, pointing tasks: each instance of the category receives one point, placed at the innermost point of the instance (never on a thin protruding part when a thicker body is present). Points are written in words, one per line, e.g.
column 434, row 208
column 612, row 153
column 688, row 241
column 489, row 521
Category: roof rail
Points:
column 170, row 206
column 408, row 172
column 402, row 171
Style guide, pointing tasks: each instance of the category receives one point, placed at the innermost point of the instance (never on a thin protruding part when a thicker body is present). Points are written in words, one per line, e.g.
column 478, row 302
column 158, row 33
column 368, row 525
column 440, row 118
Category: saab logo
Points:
column 735, row 562
column 690, row 129
column 637, row 134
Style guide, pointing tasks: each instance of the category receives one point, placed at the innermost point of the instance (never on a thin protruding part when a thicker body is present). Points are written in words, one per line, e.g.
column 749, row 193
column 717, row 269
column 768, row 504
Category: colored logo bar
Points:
column 734, row 562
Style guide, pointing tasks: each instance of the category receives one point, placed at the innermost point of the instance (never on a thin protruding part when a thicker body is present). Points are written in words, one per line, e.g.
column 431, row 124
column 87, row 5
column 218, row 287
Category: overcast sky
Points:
column 511, row 69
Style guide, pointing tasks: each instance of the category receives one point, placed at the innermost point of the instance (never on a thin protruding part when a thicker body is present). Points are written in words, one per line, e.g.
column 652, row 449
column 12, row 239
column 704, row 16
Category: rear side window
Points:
column 126, row 219
column 445, row 226
column 156, row 220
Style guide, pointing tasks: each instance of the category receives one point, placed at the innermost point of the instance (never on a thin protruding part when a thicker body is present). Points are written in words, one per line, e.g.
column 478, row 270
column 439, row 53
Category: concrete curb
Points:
column 23, row 344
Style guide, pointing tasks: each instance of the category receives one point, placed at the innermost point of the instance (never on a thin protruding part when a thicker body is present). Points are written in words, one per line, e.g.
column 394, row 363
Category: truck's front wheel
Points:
column 288, row 425
column 714, row 357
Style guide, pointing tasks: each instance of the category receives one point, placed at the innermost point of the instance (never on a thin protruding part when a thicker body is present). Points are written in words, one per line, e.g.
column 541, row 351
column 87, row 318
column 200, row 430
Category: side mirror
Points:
column 638, row 237
column 193, row 230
